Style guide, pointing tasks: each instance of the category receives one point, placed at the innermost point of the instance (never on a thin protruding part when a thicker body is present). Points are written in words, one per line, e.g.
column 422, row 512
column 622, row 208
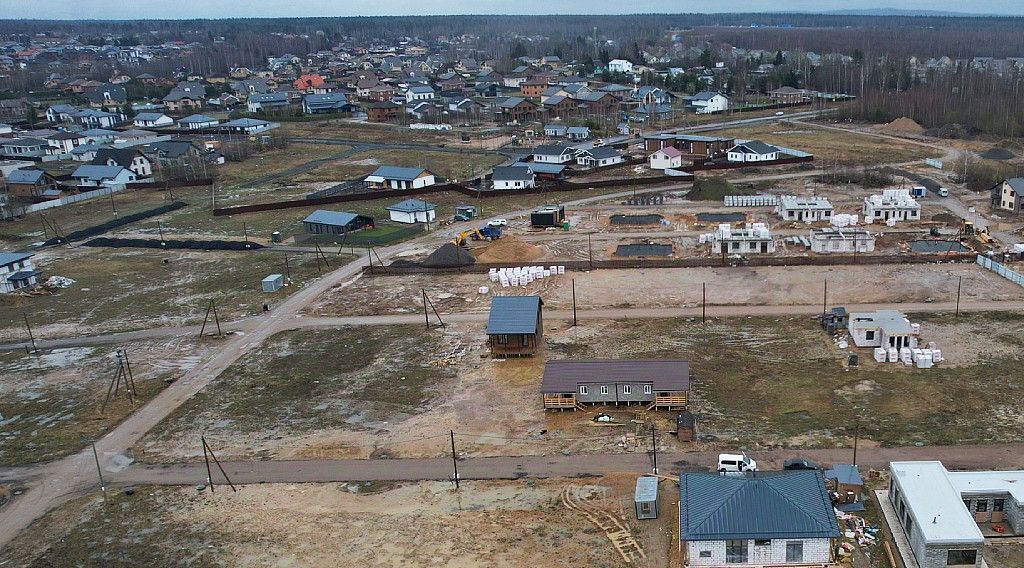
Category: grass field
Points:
column 781, row 382
column 448, row 165
column 366, row 131
column 303, row 381
column 829, row 146
column 125, row 289
column 273, row 162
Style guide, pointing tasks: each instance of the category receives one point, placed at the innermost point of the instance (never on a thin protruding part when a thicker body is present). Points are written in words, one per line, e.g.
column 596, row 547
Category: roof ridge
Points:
column 803, row 510
column 710, row 512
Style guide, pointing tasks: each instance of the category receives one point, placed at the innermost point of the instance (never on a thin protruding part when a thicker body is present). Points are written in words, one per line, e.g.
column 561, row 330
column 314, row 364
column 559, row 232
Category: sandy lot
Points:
column 670, row 287
column 513, row 524
column 51, row 402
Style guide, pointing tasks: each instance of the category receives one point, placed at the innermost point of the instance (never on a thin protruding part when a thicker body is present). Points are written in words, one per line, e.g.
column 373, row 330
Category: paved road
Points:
column 1008, row 456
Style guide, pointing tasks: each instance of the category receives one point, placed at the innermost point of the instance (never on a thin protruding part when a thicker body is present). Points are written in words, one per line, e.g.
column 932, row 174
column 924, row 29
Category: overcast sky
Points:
column 166, row 9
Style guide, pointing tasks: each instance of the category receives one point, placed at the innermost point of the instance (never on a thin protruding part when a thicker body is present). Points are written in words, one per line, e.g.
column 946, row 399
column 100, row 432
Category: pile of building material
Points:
column 523, row 275
column 910, row 356
column 58, row 282
column 857, row 529
column 449, row 255
column 751, row 201
column 844, row 220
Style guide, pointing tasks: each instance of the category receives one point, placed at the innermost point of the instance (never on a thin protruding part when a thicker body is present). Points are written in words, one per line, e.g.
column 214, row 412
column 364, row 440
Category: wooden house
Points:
column 515, row 326
column 652, row 383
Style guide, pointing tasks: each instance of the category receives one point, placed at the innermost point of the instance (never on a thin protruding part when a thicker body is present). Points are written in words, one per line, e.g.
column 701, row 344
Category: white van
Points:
column 943, row 192
column 731, row 463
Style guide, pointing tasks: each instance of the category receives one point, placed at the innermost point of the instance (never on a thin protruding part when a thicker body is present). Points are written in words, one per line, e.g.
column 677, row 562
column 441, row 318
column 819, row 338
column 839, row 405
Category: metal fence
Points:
column 1011, row 275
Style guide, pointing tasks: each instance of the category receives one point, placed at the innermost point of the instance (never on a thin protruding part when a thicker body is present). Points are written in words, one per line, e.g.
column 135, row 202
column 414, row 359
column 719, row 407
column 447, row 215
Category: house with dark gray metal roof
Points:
column 653, row 383
column 782, row 518
column 30, row 183
column 395, row 177
column 16, row 271
column 412, row 211
column 267, row 101
column 513, row 177
column 1008, row 195
column 515, row 326
column 752, row 151
column 324, row 222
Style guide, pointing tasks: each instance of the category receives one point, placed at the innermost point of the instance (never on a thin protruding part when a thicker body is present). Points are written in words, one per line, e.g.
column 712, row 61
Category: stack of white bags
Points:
column 523, row 275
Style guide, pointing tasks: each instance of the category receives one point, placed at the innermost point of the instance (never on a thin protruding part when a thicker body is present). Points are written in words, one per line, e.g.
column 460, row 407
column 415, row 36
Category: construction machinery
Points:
column 482, row 233
column 969, row 229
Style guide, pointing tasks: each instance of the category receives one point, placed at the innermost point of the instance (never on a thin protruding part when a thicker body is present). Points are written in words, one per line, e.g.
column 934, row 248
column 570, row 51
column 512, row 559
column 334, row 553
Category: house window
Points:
column 705, row 554
column 647, row 389
column 584, row 390
column 961, row 557
column 967, row 503
column 626, row 389
column 736, row 551
column 997, row 505
column 869, row 335
column 501, row 339
column 982, row 506
column 604, row 389
column 645, row 508
column 795, row 551
column 763, row 542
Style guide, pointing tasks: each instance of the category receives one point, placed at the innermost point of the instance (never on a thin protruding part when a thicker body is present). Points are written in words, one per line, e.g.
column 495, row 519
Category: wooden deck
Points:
column 671, row 402
column 560, row 402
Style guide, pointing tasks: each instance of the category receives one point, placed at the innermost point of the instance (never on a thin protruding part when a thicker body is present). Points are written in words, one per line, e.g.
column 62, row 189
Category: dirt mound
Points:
column 903, row 125
column 997, row 154
column 947, row 218
column 951, row 131
column 448, row 256
column 509, row 249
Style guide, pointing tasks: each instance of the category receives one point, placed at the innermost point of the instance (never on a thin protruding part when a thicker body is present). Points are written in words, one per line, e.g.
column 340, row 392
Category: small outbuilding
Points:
column 686, row 427
column 273, row 283
column 548, row 216
column 845, row 481
column 323, row 222
column 645, row 499
column 412, row 211
column 515, row 326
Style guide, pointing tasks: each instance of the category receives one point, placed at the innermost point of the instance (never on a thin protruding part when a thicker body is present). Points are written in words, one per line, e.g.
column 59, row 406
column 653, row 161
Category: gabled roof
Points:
column 245, row 123
column 198, row 119
column 664, row 374
column 754, row 147
column 845, row 474
column 412, row 206
column 514, row 314
column 397, row 172
column 26, row 175
column 149, row 116
column 670, row 151
column 269, row 98
column 97, row 173
column 325, row 217
column 765, row 505
column 551, row 150
column 512, row 173
column 602, row 153
column 121, row 156
column 12, row 257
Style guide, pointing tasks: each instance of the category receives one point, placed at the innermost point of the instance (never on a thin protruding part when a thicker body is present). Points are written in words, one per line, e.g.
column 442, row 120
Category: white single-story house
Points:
column 16, row 271
column 841, row 240
column 554, row 154
column 198, row 122
column 103, row 176
column 806, row 209
column 777, row 518
column 412, row 211
column 941, row 513
column 577, row 132
column 884, row 328
column 513, row 177
column 599, row 157
column 247, row 126
column 666, row 158
column 555, row 130
column 753, row 151
column 395, row 177
column 152, row 120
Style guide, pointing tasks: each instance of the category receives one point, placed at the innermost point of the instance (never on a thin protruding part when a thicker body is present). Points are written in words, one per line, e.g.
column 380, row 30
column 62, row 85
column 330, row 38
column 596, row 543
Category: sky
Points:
column 180, row 9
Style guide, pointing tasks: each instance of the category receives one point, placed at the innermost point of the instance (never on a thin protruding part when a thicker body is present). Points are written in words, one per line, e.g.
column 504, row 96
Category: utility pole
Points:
column 99, row 471
column 574, row 302
column 959, row 281
column 703, row 302
column 654, row 446
column 31, row 338
column 287, row 269
column 824, row 301
column 455, row 460
column 590, row 250
column 856, row 437
column 426, row 315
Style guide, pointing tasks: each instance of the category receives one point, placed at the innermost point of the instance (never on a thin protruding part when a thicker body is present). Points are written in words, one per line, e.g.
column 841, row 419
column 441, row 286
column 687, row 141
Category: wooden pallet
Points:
column 616, row 531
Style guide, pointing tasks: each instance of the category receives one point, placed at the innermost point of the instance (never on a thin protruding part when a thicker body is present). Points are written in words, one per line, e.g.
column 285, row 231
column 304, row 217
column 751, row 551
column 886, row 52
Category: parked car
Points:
column 731, row 463
column 798, row 463
column 497, row 223
column 599, row 142
column 780, row 113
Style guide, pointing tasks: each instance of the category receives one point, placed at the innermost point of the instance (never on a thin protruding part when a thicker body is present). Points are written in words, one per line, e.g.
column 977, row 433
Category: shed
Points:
column 324, row 222
column 686, row 427
column 645, row 500
column 845, row 480
column 515, row 326
column 547, row 216
column 273, row 283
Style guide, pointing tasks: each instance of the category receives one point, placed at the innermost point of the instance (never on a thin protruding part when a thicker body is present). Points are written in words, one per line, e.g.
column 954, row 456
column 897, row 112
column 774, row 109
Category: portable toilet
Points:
column 273, row 283
column 646, row 498
column 276, row 237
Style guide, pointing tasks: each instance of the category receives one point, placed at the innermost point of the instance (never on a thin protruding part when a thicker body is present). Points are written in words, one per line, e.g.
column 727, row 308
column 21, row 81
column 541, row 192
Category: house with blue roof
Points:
column 515, row 326
column 324, row 222
column 782, row 518
column 326, row 103
column 197, row 122
column 91, row 176
column 412, row 211
column 16, row 271
column 395, row 177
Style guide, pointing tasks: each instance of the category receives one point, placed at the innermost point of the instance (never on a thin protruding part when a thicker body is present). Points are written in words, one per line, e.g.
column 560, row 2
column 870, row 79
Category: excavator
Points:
column 969, row 229
column 482, row 233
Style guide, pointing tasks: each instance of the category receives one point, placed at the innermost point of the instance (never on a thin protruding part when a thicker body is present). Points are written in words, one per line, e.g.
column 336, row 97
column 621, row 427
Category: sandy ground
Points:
column 677, row 287
column 515, row 524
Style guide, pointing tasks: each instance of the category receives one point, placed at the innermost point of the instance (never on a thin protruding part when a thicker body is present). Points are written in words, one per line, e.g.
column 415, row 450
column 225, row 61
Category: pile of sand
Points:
column 509, row 249
column 449, row 256
column 903, row 125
